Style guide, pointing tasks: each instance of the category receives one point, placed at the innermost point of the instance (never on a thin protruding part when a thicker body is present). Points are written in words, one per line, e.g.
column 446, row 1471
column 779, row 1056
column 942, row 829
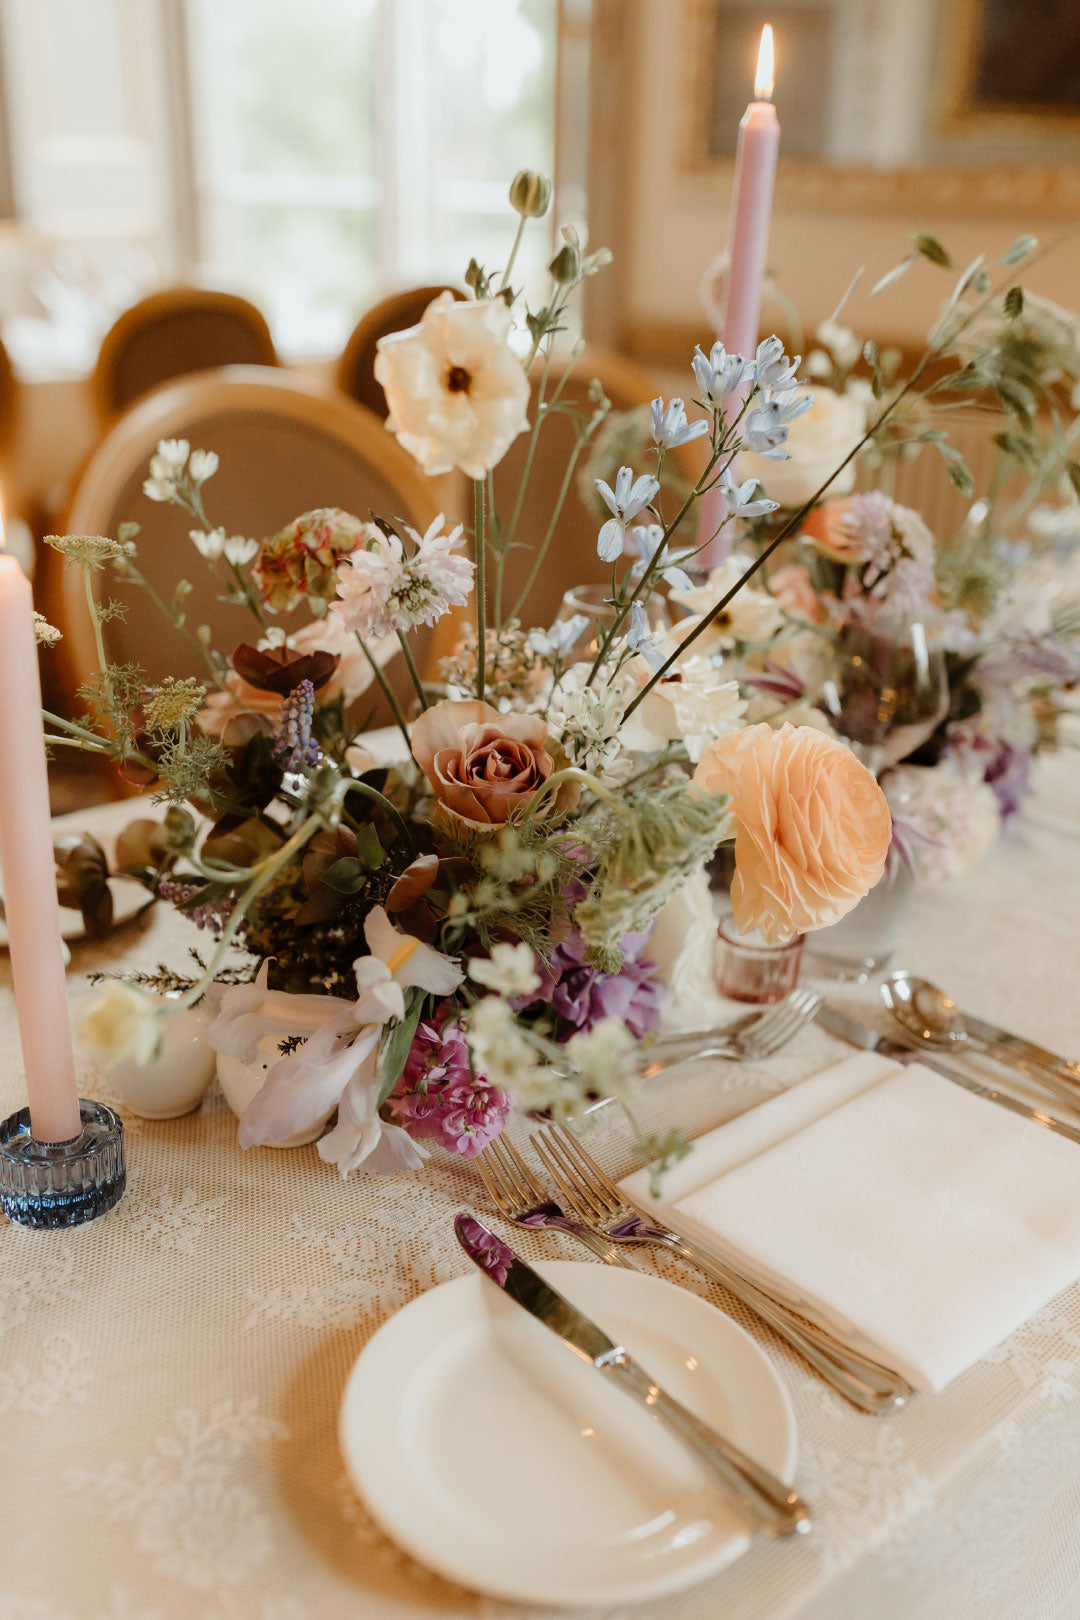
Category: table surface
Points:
column 170, row 1375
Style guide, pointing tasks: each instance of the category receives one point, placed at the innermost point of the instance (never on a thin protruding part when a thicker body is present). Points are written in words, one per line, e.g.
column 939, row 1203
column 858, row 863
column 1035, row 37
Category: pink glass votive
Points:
column 745, row 968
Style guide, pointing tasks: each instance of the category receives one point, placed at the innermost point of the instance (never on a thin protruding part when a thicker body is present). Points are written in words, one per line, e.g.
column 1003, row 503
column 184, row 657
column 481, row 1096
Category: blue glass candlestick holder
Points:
column 52, row 1184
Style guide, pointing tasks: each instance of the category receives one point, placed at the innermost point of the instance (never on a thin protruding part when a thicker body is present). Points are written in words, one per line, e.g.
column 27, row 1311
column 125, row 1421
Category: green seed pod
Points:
column 530, row 193
column 566, row 265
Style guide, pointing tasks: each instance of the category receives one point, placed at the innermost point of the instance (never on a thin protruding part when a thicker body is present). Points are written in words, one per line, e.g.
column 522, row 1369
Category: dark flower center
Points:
column 458, row 380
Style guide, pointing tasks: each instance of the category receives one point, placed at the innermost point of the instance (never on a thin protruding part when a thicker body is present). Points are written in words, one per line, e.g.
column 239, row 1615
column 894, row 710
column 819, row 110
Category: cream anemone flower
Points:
column 457, row 393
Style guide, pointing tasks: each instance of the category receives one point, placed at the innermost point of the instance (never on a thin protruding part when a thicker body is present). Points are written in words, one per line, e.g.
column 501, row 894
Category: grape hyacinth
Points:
column 294, row 746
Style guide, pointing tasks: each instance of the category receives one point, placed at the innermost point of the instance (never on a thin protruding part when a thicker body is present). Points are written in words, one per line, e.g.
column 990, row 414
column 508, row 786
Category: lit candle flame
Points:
column 763, row 78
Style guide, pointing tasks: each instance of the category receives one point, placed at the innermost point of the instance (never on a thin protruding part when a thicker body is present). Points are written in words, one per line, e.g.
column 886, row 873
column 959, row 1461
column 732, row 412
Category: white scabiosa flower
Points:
column 457, row 393
column 382, row 591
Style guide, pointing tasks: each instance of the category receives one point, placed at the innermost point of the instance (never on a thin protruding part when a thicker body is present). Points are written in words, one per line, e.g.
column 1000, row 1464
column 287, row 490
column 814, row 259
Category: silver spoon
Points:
column 932, row 1017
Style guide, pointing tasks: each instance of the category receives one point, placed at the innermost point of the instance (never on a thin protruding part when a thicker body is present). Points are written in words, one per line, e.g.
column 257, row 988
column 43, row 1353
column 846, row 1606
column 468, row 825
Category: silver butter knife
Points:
column 756, row 1494
column 870, row 1040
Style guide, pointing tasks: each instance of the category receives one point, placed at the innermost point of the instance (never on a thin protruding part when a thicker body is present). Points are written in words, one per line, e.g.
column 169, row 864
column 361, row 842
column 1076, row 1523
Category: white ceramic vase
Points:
column 174, row 1082
column 240, row 1081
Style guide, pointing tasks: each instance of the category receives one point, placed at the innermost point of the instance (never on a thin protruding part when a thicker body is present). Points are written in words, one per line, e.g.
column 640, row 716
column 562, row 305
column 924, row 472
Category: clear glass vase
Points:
column 888, row 691
column 862, row 943
column 591, row 603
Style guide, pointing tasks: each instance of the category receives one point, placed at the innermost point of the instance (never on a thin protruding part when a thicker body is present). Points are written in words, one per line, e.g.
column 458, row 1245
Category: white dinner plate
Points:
column 495, row 1456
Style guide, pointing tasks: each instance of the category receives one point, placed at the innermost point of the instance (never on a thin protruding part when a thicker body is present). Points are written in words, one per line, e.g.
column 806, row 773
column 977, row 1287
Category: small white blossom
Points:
column 122, row 1024
column 210, row 545
column 629, row 497
column 840, row 341
column 642, row 639
column 203, row 465
column 670, row 427
column 647, row 538
column 739, row 498
column 767, row 426
column 589, row 720
column 772, row 368
column 558, row 642
column 170, row 458
column 239, row 551
column 605, row 1059
column 719, row 374
column 510, row 970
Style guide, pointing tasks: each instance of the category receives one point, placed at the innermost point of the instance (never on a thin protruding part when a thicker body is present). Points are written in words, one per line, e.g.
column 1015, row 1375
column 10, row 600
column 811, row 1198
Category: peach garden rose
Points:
column 813, row 827
column 484, row 766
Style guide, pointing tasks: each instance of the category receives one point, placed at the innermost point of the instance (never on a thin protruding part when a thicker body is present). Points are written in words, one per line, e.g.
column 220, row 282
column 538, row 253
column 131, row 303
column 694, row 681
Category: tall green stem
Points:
column 384, row 685
column 505, row 282
column 479, row 549
column 410, row 663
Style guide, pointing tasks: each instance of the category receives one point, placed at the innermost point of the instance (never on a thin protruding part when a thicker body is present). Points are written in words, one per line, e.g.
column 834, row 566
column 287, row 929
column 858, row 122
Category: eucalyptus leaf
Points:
column 368, row 848
column 396, row 1046
column 347, row 876
column 961, row 478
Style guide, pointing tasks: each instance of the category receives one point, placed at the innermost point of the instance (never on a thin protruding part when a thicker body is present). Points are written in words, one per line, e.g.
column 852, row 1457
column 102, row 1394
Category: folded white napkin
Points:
column 907, row 1216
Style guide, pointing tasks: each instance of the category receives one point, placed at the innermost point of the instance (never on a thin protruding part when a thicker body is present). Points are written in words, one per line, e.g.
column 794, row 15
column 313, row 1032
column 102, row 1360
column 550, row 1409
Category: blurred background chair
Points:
column 286, row 446
column 170, row 333
column 355, row 374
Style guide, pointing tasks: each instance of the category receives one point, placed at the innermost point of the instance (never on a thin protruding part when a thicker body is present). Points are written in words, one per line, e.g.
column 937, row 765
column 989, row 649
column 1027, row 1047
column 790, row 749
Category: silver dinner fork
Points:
column 521, row 1198
column 750, row 1039
column 594, row 1199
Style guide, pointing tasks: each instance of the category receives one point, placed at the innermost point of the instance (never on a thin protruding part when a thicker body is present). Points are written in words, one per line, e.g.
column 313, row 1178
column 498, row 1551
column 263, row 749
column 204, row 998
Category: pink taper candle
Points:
column 748, row 239
column 29, row 871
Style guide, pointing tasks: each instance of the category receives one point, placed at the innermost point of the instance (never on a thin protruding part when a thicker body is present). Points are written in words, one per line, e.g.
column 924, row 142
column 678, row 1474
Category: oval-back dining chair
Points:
column 355, row 374
column 171, row 333
column 286, row 446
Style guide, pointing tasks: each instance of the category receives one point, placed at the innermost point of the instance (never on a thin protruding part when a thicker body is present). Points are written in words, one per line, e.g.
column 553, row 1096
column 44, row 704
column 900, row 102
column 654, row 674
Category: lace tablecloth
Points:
column 170, row 1375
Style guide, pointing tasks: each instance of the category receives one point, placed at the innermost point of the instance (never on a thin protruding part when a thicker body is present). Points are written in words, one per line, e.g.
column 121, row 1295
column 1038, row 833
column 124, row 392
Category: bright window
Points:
column 345, row 148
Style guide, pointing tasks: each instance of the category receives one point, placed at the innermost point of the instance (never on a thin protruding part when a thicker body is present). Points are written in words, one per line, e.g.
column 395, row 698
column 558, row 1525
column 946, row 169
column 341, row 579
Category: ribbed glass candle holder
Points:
column 54, row 1184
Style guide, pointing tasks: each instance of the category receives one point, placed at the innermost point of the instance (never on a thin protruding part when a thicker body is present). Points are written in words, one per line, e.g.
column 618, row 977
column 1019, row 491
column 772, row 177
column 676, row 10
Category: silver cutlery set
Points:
column 583, row 1203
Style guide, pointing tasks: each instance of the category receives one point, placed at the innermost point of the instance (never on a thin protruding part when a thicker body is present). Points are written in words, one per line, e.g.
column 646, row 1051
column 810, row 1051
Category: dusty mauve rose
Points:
column 484, row 766
column 813, row 827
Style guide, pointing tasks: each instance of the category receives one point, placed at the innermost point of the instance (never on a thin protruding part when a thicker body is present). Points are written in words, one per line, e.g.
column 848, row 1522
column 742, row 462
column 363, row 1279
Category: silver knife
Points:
column 762, row 1499
column 871, row 1040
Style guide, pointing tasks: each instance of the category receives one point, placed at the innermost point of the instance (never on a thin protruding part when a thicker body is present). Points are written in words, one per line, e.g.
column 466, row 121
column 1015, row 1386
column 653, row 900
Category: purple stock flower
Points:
column 581, row 995
column 438, row 1096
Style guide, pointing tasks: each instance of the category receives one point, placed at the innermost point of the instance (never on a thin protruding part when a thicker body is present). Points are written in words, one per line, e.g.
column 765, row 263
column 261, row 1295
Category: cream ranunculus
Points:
column 817, row 442
column 457, row 393
column 813, row 827
column 122, row 1023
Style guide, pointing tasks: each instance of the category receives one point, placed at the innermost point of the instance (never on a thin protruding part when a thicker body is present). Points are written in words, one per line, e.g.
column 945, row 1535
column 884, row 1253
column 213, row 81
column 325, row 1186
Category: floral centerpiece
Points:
column 428, row 940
